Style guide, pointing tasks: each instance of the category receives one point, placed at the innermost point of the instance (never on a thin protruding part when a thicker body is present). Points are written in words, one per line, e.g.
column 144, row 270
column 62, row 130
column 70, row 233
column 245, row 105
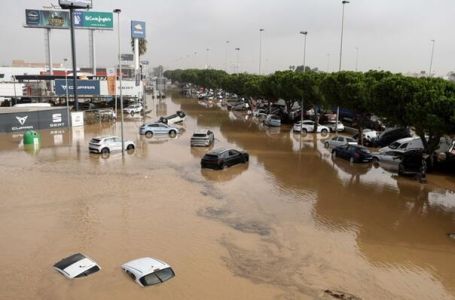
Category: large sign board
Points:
column 127, row 57
column 34, row 120
column 75, row 3
column 138, row 29
column 59, row 19
column 84, row 87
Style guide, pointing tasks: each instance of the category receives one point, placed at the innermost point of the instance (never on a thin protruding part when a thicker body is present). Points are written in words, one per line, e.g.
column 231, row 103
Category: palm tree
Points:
column 142, row 46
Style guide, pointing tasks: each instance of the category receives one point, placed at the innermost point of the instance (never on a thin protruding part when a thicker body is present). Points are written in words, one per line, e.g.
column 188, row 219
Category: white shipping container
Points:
column 129, row 88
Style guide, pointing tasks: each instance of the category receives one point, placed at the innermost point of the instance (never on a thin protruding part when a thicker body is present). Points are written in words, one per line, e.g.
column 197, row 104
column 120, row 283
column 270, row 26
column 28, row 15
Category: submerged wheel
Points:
column 149, row 134
column 130, row 147
column 172, row 133
column 105, row 151
column 324, row 132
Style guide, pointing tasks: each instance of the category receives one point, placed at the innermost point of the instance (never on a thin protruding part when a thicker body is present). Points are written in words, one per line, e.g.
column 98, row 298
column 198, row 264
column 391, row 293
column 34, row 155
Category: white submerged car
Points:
column 76, row 266
column 308, row 126
column 148, row 271
column 108, row 144
column 133, row 109
column 339, row 141
column 178, row 117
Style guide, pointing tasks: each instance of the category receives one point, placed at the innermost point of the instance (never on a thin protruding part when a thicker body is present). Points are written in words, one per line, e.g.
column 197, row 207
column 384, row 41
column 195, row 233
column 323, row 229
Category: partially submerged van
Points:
column 405, row 144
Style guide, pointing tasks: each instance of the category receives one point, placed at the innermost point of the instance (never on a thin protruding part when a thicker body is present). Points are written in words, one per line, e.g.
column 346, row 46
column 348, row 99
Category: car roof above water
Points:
column 146, row 265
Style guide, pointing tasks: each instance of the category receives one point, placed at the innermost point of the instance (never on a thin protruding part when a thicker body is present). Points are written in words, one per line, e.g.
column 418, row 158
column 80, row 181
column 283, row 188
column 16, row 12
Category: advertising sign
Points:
column 92, row 19
column 47, row 19
column 58, row 19
column 127, row 57
column 75, row 3
column 138, row 30
column 84, row 87
column 34, row 120
column 111, row 80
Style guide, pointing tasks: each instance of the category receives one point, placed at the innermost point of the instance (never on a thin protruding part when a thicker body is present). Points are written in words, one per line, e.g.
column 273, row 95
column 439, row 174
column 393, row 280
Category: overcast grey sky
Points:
column 391, row 35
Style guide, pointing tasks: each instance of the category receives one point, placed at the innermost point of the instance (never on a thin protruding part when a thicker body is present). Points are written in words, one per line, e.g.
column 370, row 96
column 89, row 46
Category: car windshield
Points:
column 149, row 279
column 394, row 145
column 165, row 274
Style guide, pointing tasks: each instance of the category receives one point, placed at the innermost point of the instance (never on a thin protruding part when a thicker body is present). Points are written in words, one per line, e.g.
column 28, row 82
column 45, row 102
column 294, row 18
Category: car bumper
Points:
column 210, row 165
column 94, row 150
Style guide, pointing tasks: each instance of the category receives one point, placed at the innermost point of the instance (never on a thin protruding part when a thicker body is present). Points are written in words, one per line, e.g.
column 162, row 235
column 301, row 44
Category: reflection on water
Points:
column 290, row 224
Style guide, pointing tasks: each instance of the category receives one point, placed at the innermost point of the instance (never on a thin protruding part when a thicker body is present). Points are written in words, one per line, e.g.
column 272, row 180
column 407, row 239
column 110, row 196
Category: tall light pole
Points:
column 207, row 58
column 238, row 61
column 356, row 58
column 431, row 60
column 118, row 11
column 260, row 49
column 305, row 33
column 226, row 56
column 341, row 54
column 342, row 29
column 328, row 62
column 66, row 90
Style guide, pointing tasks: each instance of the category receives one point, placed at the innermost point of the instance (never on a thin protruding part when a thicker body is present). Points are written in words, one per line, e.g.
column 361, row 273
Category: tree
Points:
column 142, row 46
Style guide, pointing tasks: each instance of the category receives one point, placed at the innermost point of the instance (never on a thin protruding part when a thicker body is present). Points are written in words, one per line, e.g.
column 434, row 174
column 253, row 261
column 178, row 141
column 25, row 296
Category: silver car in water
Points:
column 202, row 138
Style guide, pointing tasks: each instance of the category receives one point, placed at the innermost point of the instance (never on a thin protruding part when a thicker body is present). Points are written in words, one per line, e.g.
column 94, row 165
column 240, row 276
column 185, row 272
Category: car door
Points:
column 234, row 157
column 116, row 144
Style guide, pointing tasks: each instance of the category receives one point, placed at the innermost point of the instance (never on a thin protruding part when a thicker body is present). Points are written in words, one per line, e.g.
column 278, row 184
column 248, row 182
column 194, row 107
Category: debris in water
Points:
column 341, row 295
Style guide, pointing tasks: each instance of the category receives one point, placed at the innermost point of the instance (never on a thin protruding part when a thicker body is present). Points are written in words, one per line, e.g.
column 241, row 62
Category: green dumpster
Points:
column 32, row 138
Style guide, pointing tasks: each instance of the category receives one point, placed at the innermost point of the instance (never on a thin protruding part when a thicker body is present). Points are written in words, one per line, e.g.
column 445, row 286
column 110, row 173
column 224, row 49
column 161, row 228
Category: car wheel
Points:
column 149, row 134
column 132, row 113
column 223, row 166
column 105, row 151
column 246, row 159
column 326, row 144
column 304, row 131
column 172, row 133
column 130, row 147
column 324, row 132
column 375, row 160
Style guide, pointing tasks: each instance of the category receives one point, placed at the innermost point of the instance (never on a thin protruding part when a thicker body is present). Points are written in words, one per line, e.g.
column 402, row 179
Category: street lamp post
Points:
column 431, row 60
column 238, row 61
column 66, row 90
column 341, row 54
column 260, row 49
column 305, row 33
column 356, row 58
column 207, row 58
column 118, row 11
column 304, row 48
column 226, row 56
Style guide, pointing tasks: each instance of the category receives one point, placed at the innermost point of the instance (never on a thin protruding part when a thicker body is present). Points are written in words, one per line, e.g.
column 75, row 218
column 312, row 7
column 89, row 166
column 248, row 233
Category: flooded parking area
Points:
column 292, row 223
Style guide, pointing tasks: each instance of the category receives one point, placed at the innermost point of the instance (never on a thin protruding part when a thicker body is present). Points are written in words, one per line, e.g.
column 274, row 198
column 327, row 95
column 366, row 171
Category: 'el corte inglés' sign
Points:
column 59, row 19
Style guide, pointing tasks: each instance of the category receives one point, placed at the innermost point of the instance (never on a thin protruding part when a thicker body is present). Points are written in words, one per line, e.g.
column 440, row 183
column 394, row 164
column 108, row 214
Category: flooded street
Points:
column 291, row 224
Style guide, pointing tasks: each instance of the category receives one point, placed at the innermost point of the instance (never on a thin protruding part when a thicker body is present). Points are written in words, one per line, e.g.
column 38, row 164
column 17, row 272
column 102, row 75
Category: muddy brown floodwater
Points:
column 291, row 224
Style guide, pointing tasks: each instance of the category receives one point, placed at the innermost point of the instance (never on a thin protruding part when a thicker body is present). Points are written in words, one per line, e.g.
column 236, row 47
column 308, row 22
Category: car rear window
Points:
column 95, row 141
column 149, row 279
column 199, row 135
column 165, row 274
column 211, row 156
column 64, row 263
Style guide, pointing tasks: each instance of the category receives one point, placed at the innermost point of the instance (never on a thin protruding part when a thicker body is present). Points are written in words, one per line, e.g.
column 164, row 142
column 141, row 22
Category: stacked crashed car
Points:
column 353, row 153
column 76, row 266
column 108, row 144
column 222, row 158
column 148, row 271
column 158, row 128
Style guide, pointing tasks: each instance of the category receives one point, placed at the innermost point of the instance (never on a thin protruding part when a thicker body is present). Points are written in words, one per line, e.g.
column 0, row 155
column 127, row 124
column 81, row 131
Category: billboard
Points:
column 34, row 120
column 59, row 19
column 127, row 57
column 75, row 3
column 84, row 87
column 138, row 30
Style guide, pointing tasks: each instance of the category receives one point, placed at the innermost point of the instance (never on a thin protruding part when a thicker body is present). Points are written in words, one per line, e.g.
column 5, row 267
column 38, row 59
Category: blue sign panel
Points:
column 84, row 87
column 138, row 30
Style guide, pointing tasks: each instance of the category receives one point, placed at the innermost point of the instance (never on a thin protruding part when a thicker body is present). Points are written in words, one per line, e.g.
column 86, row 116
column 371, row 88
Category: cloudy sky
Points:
column 390, row 35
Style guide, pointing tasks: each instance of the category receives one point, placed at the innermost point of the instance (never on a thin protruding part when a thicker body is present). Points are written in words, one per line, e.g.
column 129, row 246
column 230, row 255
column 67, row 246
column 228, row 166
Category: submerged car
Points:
column 133, row 109
column 178, row 117
column 334, row 126
column 157, row 128
column 353, row 153
column 339, row 141
column 222, row 158
column 203, row 138
column 76, row 266
column 272, row 121
column 108, row 144
column 413, row 164
column 148, row 271
column 308, row 126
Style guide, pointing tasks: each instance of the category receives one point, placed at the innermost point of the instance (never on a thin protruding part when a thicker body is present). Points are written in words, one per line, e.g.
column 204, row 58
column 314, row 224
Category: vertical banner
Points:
column 111, row 81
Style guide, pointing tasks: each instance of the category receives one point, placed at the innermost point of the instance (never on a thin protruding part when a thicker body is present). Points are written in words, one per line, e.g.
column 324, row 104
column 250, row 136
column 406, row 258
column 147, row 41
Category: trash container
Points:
column 32, row 138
